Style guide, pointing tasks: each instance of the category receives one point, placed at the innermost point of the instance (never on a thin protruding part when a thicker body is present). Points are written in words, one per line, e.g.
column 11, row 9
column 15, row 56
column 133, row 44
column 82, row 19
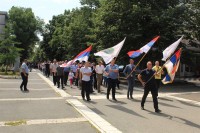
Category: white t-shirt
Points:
column 99, row 69
column 85, row 70
column 53, row 67
column 71, row 75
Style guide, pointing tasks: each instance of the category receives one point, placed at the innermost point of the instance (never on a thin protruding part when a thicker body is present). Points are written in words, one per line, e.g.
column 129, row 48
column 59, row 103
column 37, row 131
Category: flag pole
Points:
column 160, row 69
column 137, row 65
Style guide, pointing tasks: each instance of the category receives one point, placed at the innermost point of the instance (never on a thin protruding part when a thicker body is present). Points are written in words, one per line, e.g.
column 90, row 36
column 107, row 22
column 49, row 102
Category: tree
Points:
column 24, row 25
column 8, row 50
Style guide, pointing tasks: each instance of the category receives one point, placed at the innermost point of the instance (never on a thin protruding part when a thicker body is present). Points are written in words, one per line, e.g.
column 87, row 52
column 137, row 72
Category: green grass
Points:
column 15, row 123
column 10, row 73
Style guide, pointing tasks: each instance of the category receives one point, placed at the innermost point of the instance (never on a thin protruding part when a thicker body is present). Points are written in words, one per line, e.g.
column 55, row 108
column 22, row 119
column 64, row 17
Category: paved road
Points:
column 48, row 109
column 42, row 109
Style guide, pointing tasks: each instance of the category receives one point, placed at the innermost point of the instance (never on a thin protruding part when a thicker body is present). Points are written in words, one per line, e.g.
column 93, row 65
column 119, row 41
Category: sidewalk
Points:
column 41, row 110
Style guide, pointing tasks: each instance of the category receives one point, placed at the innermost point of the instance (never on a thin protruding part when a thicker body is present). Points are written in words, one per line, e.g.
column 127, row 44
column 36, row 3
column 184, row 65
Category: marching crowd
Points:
column 89, row 76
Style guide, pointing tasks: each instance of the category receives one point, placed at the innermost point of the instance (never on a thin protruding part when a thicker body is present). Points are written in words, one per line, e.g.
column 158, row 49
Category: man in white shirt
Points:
column 24, row 75
column 85, row 73
column 53, row 71
column 99, row 72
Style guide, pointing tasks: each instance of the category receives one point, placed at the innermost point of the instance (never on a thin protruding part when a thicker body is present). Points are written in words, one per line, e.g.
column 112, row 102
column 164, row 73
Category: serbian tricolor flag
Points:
column 144, row 49
column 84, row 55
column 172, row 66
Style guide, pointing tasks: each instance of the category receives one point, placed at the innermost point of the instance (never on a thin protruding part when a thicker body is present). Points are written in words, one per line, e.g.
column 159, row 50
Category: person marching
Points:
column 85, row 73
column 158, row 71
column 71, row 77
column 99, row 72
column 53, row 68
column 66, row 73
column 60, row 76
column 131, row 78
column 111, row 71
column 24, row 75
column 147, row 79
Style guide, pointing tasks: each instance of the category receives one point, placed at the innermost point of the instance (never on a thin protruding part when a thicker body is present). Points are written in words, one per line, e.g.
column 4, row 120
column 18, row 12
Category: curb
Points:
column 9, row 77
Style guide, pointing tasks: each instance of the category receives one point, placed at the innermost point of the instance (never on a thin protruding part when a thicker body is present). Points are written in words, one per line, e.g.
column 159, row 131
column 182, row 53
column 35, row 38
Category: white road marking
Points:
column 45, row 121
column 30, row 99
column 102, row 125
column 19, row 83
column 59, row 91
column 18, row 89
column 97, row 121
column 185, row 100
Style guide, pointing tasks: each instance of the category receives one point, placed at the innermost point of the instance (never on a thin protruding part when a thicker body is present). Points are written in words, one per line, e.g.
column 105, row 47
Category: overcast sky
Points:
column 45, row 9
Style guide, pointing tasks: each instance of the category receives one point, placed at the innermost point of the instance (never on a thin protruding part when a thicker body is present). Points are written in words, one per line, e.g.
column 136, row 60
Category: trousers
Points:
column 111, row 85
column 153, row 89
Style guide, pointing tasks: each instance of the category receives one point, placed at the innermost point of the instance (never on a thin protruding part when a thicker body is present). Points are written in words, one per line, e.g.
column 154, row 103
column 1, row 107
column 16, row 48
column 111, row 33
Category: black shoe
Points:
column 89, row 99
column 107, row 97
column 58, row 86
column 114, row 99
column 142, row 108
column 83, row 98
column 158, row 111
column 26, row 90
column 131, row 97
column 21, row 89
column 127, row 97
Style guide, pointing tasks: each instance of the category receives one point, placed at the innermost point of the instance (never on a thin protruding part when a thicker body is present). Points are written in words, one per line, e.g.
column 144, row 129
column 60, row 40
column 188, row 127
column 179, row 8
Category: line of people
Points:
column 87, row 76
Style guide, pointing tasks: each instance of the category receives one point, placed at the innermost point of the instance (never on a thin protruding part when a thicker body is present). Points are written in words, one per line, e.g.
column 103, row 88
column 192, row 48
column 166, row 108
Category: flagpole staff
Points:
column 159, row 69
column 136, row 65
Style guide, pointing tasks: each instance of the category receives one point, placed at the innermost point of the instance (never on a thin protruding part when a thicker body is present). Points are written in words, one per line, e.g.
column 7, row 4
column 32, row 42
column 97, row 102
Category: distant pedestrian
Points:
column 60, row 76
column 99, row 73
column 112, row 71
column 131, row 77
column 71, row 77
column 47, row 69
column 145, row 77
column 85, row 80
column 158, row 71
column 24, row 75
column 94, row 75
column 66, row 73
column 53, row 70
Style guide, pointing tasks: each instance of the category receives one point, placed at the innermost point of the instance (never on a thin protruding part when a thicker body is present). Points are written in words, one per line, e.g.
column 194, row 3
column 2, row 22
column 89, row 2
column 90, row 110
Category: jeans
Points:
column 24, row 81
column 131, row 83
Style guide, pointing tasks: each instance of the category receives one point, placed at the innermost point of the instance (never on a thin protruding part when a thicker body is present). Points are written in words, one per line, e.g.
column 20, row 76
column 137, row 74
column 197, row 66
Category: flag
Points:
column 84, row 55
column 69, row 63
column 172, row 66
column 144, row 49
column 110, row 53
column 170, row 50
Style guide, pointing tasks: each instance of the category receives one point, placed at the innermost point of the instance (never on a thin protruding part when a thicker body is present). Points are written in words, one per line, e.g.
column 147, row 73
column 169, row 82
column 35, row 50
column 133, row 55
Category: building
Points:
column 3, row 19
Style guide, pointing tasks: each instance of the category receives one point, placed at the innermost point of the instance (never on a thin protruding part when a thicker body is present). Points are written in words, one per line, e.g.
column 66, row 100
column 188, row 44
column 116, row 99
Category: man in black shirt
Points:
column 146, row 77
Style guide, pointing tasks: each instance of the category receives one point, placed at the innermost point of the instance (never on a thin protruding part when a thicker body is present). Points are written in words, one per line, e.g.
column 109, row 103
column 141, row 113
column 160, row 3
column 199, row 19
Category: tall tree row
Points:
column 104, row 23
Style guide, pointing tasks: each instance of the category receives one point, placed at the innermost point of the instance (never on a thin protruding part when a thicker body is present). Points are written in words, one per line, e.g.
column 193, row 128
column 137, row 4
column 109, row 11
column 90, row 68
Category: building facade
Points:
column 3, row 19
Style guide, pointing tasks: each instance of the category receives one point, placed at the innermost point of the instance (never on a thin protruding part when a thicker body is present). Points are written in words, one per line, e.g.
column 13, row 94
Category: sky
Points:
column 45, row 9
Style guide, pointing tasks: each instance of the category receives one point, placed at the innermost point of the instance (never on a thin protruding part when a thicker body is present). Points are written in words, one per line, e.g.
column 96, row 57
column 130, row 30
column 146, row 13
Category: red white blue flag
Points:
column 84, row 55
column 144, row 49
column 172, row 66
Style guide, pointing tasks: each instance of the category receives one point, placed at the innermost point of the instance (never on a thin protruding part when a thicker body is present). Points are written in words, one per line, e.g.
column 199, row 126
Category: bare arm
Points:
column 140, row 79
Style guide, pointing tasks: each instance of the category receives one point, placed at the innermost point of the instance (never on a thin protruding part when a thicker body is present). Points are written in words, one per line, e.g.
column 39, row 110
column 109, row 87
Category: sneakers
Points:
column 158, row 111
